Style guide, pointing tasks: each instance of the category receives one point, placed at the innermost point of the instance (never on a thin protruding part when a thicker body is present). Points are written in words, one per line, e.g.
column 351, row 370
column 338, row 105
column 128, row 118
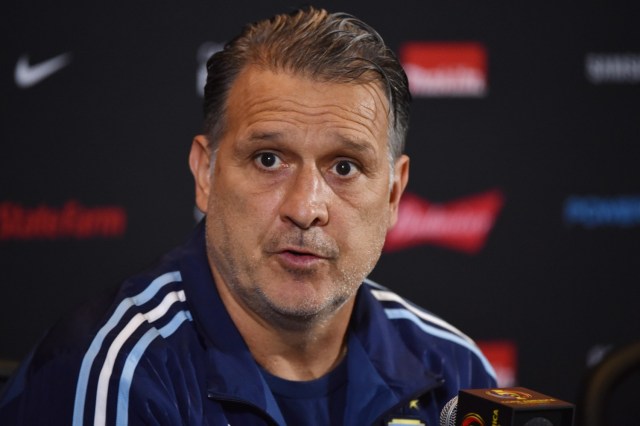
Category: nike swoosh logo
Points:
column 27, row 75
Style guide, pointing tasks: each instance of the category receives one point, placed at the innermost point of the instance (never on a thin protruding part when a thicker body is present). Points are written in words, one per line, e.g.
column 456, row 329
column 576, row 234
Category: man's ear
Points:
column 200, row 165
column 400, row 180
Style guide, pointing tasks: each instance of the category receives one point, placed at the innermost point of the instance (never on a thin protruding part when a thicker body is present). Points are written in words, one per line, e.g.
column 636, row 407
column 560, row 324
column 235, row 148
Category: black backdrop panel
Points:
column 94, row 182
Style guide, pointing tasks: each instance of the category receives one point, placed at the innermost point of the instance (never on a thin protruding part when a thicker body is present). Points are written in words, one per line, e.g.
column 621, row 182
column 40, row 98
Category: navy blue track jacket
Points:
column 164, row 351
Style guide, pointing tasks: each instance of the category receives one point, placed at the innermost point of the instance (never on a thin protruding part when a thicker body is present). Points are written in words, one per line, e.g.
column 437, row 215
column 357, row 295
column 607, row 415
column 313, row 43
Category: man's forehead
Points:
column 254, row 74
column 259, row 89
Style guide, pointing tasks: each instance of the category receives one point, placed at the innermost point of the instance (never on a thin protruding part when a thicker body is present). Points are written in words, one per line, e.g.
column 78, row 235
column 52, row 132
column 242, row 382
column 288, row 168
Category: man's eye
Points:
column 268, row 160
column 345, row 168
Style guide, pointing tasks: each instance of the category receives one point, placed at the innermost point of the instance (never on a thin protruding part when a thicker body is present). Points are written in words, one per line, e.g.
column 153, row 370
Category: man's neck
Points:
column 302, row 355
column 305, row 352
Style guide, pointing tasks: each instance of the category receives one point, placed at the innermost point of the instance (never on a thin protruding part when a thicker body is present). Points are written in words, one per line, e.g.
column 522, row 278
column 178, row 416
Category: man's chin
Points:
column 303, row 313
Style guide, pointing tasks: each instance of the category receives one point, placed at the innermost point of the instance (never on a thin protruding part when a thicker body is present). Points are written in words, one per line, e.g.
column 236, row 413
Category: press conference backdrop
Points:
column 522, row 221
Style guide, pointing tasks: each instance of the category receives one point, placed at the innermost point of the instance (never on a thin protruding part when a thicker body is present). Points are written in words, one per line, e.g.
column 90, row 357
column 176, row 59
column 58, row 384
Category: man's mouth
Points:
column 299, row 258
column 302, row 252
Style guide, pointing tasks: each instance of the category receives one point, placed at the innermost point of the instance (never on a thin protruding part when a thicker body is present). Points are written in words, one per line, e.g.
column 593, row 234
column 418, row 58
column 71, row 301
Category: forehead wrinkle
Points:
column 299, row 115
column 277, row 104
column 362, row 113
column 355, row 137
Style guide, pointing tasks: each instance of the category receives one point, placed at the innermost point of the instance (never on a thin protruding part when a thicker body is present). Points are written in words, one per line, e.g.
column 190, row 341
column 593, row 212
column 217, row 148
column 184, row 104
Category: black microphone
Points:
column 505, row 407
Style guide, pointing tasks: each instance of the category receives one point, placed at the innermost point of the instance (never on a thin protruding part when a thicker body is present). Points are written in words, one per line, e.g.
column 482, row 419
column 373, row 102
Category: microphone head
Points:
column 448, row 413
column 506, row 406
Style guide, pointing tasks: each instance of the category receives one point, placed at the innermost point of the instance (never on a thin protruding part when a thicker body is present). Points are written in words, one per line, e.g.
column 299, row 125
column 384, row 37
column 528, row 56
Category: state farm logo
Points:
column 445, row 69
column 462, row 224
column 71, row 221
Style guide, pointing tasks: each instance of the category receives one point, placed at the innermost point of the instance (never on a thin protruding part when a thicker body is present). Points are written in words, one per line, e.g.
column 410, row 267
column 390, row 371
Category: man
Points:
column 265, row 315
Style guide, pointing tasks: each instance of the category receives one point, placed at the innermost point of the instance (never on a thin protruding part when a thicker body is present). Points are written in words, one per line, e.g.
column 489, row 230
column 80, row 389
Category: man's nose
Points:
column 306, row 199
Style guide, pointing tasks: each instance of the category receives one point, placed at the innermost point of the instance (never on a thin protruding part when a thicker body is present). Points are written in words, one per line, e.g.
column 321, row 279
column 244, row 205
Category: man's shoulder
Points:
column 397, row 307
column 422, row 330
column 148, row 297
column 101, row 344
column 151, row 303
column 74, row 330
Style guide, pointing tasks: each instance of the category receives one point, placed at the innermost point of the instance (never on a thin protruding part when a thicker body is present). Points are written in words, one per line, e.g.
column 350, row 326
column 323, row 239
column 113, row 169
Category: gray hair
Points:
column 328, row 47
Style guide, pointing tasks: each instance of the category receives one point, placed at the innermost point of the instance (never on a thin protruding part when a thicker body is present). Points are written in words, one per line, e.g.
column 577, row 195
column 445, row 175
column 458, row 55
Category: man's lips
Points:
column 299, row 257
column 301, row 250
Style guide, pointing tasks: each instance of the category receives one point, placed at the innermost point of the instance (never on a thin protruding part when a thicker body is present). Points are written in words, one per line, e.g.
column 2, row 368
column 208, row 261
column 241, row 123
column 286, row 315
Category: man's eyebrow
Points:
column 264, row 136
column 359, row 145
column 354, row 144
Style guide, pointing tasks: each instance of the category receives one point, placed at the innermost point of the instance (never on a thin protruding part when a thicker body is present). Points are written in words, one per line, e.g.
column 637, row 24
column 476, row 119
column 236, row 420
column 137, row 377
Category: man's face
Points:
column 299, row 200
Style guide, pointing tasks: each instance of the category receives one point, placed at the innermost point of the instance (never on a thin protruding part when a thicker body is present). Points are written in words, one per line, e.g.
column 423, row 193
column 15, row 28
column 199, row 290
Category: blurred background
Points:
column 522, row 222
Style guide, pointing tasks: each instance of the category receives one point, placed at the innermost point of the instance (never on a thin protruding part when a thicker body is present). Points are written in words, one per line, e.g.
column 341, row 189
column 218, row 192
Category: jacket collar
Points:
column 381, row 365
column 382, row 371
